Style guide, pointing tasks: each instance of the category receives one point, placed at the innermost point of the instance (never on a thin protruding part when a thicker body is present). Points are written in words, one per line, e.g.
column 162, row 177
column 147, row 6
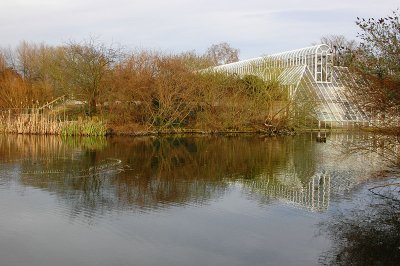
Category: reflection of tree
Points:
column 32, row 147
column 297, row 182
column 157, row 172
column 382, row 153
column 365, row 236
column 183, row 170
column 19, row 147
column 387, row 147
column 150, row 172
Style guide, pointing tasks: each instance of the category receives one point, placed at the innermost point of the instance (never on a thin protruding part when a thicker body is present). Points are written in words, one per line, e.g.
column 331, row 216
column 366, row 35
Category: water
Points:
column 247, row 200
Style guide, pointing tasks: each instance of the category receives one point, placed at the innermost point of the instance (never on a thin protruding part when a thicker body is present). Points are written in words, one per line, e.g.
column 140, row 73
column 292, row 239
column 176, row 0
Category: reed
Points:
column 85, row 127
column 44, row 124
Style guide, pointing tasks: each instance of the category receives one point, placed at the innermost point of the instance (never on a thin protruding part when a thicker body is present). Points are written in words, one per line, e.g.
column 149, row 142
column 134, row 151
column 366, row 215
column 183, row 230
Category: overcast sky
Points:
column 256, row 27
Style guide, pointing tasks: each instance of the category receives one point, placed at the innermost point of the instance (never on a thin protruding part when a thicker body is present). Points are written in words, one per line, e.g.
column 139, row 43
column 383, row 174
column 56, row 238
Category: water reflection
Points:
column 314, row 196
column 367, row 234
column 191, row 201
column 94, row 176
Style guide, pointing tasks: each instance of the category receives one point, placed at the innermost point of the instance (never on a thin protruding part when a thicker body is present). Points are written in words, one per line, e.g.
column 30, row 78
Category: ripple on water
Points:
column 220, row 196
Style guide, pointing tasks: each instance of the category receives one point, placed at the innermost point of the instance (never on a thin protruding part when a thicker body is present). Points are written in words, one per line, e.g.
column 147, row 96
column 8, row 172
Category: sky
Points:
column 256, row 27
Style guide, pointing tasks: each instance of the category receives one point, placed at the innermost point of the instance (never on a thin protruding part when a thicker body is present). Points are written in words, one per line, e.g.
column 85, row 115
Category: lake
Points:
column 198, row 200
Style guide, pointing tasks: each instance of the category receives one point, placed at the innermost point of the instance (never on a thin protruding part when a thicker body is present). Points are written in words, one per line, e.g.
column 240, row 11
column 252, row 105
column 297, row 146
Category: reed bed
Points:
column 43, row 124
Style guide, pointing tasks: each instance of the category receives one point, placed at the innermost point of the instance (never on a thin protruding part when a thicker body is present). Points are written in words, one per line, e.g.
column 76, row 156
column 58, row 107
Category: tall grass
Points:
column 86, row 127
column 42, row 124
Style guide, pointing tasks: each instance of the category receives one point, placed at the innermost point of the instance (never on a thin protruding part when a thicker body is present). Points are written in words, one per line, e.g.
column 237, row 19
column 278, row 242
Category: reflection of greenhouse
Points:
column 315, row 195
column 149, row 174
column 305, row 72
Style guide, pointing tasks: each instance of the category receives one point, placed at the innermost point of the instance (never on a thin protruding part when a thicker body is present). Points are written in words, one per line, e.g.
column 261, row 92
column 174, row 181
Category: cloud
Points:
column 255, row 26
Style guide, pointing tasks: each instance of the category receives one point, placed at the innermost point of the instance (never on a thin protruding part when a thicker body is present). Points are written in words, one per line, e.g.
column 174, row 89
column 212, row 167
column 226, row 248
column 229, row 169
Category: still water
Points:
column 247, row 200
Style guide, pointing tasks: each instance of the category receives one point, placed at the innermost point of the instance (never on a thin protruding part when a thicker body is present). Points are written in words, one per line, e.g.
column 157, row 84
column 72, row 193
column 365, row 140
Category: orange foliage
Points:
column 16, row 92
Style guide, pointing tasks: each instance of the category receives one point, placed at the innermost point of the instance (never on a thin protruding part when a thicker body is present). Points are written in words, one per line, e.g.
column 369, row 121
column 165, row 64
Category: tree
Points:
column 342, row 49
column 86, row 65
column 15, row 92
column 222, row 53
column 3, row 62
column 27, row 87
column 39, row 64
column 377, row 61
column 380, row 44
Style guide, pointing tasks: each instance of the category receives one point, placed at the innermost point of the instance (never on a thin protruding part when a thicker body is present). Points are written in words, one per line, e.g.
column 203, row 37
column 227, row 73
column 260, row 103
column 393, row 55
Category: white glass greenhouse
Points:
column 308, row 71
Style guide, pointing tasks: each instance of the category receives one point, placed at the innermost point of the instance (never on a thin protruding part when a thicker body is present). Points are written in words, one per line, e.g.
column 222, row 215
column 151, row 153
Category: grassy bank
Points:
column 188, row 131
column 36, row 124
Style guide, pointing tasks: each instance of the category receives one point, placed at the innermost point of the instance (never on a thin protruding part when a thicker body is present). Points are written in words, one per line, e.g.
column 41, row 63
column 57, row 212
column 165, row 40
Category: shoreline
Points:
column 192, row 132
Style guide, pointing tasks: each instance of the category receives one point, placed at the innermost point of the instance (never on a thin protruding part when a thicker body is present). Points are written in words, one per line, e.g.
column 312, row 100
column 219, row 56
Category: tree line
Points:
column 138, row 89
column 149, row 89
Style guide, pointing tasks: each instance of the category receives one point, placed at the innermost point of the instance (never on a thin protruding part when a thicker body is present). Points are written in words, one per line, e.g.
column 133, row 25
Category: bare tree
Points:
column 3, row 63
column 222, row 53
column 86, row 65
column 342, row 48
column 20, row 89
column 378, row 63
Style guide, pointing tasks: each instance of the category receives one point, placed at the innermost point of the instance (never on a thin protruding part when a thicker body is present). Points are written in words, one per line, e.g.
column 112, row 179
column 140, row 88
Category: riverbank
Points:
column 76, row 129
column 45, row 124
column 35, row 124
column 182, row 131
column 98, row 127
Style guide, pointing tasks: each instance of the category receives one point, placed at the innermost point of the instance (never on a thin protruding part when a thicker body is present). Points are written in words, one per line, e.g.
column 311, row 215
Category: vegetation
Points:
column 343, row 50
column 378, row 62
column 141, row 91
column 88, row 127
column 148, row 91
column 222, row 53
column 375, row 60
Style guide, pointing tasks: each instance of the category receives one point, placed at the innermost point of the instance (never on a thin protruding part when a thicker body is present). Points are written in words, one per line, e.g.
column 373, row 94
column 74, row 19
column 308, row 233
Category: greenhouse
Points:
column 307, row 73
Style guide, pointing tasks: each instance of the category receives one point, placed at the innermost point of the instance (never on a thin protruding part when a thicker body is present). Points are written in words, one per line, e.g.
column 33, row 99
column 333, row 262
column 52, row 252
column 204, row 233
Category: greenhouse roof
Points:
column 308, row 70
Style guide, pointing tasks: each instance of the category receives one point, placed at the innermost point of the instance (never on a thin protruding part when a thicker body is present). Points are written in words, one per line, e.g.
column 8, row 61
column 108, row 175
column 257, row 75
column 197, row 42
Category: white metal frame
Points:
column 309, row 69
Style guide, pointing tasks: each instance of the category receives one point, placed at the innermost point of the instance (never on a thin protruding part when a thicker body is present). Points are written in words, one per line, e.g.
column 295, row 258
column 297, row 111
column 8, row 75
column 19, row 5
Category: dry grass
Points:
column 42, row 124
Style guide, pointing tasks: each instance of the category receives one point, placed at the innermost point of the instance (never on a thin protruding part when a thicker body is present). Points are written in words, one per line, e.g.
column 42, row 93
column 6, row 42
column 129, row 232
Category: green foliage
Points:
column 254, row 84
column 88, row 127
